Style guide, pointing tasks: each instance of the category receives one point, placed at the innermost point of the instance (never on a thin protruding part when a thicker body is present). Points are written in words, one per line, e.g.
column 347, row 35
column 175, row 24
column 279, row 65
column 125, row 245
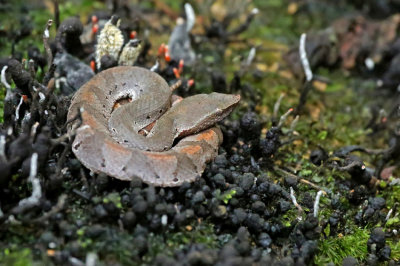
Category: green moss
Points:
column 227, row 196
column 19, row 257
column 114, row 198
column 395, row 247
column 171, row 241
column 335, row 249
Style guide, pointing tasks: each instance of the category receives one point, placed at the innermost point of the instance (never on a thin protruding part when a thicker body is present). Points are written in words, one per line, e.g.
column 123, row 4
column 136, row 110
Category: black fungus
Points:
column 264, row 240
column 376, row 238
column 377, row 203
column 250, row 126
column 246, row 181
column 349, row 261
column 318, row 156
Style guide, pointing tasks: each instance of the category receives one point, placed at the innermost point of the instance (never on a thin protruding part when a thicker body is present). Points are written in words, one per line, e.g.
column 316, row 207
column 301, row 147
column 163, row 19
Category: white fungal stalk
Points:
column 303, row 58
column 283, row 118
column 18, row 108
column 3, row 78
column 294, row 124
column 3, row 147
column 155, row 66
column 36, row 188
column 190, row 17
column 388, row 215
column 278, row 104
column 316, row 203
column 251, row 56
column 294, row 200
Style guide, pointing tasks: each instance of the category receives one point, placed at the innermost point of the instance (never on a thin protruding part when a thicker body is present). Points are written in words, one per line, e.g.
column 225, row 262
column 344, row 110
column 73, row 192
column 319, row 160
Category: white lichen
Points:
column 130, row 53
column 109, row 41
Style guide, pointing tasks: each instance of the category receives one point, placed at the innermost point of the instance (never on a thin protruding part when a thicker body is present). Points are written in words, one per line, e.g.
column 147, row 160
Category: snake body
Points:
column 109, row 139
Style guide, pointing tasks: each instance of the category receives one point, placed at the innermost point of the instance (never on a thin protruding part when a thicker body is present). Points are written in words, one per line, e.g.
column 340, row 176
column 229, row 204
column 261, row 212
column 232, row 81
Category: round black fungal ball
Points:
column 218, row 180
column 377, row 237
column 198, row 197
column 126, row 200
column 334, row 219
column 254, row 222
column 239, row 215
column 384, row 253
column 95, row 230
column 284, row 206
column 377, row 203
column 218, row 81
column 291, row 182
column 349, row 261
column 368, row 213
column 274, row 189
column 163, row 260
column 264, row 240
column 100, row 211
column 318, row 156
column 236, row 159
column 242, row 242
column 250, row 126
column 308, row 249
column 246, row 181
column 221, row 160
column 139, row 206
column 263, row 187
column 256, row 254
column 254, row 197
column 206, row 190
column 68, row 36
column 151, row 195
column 359, row 194
column 129, row 219
column 111, row 209
column 140, row 242
column 258, row 206
column 136, row 183
column 271, row 143
column 107, row 61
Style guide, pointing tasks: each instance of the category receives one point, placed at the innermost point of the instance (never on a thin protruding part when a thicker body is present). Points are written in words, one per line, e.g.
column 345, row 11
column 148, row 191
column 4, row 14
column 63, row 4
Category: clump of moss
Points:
column 20, row 257
column 335, row 249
